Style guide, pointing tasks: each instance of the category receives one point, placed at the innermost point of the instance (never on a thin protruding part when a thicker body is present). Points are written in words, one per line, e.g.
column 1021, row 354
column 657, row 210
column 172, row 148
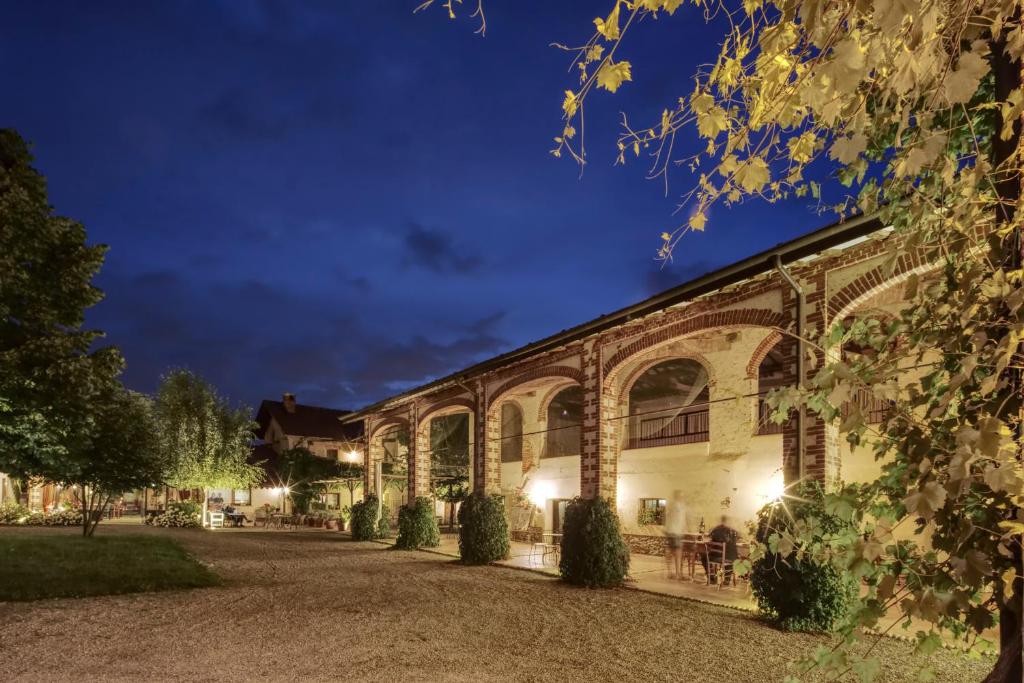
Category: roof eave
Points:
column 787, row 252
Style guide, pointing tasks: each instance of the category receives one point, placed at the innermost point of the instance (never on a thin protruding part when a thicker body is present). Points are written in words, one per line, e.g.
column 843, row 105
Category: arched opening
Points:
column 771, row 374
column 668, row 404
column 564, row 423
column 511, row 432
column 449, row 462
column 862, row 334
column 392, row 448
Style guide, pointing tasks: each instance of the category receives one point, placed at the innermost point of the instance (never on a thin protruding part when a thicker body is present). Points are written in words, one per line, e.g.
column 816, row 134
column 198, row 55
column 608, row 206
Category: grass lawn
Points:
column 37, row 566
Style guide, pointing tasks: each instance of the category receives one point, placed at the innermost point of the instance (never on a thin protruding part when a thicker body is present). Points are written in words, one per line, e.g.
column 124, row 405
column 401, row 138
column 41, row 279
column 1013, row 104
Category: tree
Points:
column 205, row 442
column 50, row 373
column 351, row 475
column 120, row 453
column 452, row 491
column 306, row 475
column 915, row 107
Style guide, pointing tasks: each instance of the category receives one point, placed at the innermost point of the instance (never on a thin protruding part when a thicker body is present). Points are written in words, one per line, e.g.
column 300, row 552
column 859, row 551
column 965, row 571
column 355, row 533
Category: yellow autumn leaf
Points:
column 697, row 221
column 845, row 150
column 570, row 103
column 671, row 5
column 712, row 122
column 753, row 174
column 961, row 83
column 609, row 28
column 610, row 76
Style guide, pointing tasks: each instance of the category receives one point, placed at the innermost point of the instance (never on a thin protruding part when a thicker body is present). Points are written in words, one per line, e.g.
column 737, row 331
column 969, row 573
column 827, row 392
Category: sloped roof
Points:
column 310, row 421
column 266, row 457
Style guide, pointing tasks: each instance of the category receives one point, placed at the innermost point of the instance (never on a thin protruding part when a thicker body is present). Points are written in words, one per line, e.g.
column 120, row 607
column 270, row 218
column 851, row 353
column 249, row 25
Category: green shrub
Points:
column 417, row 525
column 795, row 592
column 384, row 523
column 593, row 552
column 364, row 519
column 12, row 513
column 65, row 517
column 483, row 529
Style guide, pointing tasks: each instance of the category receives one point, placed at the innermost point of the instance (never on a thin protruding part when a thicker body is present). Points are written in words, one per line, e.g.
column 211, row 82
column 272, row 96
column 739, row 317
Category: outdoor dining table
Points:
column 552, row 548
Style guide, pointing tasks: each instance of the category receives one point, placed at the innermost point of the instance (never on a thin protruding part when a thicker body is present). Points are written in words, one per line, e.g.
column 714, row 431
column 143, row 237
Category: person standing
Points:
column 675, row 527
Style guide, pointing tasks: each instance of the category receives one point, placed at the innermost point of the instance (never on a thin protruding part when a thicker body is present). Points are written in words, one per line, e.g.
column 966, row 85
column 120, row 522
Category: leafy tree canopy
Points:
column 50, row 374
column 205, row 441
column 916, row 107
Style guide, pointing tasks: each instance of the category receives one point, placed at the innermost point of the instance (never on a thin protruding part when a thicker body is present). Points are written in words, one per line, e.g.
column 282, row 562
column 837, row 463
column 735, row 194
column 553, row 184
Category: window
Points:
column 511, row 432
column 565, row 415
column 652, row 511
column 332, row 453
column 241, row 496
column 668, row 404
column 331, row 500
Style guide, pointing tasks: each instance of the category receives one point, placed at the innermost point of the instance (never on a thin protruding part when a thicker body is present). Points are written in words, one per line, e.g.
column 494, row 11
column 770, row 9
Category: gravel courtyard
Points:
column 315, row 606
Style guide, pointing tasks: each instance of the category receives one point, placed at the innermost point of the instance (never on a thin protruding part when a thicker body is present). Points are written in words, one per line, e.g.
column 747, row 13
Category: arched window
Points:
column 511, row 432
column 668, row 404
column 771, row 374
column 449, row 445
column 565, row 417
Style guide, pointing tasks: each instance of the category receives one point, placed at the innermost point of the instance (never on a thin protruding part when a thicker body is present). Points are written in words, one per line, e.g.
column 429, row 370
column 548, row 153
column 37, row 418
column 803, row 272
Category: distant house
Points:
column 287, row 424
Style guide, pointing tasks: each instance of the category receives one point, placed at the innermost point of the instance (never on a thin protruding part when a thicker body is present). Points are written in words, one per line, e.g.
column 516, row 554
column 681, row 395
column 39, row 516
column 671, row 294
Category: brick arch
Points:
column 742, row 317
column 641, row 368
column 766, row 345
column 548, row 397
column 551, row 371
column 386, row 422
column 460, row 401
column 875, row 281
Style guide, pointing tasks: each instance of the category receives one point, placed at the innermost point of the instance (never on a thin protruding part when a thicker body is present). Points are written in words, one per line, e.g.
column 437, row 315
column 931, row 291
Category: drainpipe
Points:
column 801, row 416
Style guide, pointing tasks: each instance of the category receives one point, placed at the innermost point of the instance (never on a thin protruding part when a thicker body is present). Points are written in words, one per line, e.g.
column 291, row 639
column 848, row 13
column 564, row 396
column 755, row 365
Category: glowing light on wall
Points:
column 541, row 492
column 353, row 456
column 774, row 488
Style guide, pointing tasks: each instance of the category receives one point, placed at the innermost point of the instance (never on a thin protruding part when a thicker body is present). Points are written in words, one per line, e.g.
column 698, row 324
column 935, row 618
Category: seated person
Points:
column 723, row 533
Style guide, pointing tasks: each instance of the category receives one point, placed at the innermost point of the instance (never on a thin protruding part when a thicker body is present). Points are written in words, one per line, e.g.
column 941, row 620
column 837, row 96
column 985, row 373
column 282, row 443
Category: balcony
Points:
column 684, row 425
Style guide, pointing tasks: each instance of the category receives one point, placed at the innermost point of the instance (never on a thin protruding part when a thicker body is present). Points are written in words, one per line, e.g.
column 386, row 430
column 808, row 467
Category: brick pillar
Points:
column 790, row 350
column 419, row 455
column 487, row 447
column 820, row 462
column 598, row 457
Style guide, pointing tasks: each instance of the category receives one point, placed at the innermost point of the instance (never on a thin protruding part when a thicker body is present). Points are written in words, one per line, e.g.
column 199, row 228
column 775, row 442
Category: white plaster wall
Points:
column 705, row 480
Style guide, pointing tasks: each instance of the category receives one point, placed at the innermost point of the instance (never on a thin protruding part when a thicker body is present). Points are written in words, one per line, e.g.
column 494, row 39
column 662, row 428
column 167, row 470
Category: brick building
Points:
column 661, row 396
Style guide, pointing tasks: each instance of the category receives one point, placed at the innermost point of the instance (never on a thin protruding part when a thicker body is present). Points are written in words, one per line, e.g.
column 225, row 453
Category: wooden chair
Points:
column 719, row 568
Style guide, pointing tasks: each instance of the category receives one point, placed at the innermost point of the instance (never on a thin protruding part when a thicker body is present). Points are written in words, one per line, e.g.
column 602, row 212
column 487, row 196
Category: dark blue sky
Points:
column 343, row 199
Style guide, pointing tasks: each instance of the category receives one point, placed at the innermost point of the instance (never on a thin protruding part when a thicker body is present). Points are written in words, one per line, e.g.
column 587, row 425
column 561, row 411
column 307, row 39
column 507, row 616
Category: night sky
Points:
column 343, row 199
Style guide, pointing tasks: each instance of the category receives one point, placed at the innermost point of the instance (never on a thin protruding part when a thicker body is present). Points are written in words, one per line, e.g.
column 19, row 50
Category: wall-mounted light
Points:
column 354, row 456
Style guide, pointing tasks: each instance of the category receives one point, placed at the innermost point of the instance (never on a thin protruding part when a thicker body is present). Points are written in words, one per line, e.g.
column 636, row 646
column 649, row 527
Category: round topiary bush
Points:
column 483, row 529
column 364, row 519
column 417, row 525
column 593, row 552
column 797, row 593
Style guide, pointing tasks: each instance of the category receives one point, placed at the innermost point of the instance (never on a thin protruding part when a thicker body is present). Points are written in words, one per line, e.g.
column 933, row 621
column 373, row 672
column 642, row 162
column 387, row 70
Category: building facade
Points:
column 660, row 397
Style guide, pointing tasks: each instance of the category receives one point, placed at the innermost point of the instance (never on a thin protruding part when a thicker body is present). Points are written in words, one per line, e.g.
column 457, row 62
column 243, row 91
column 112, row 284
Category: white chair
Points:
column 217, row 520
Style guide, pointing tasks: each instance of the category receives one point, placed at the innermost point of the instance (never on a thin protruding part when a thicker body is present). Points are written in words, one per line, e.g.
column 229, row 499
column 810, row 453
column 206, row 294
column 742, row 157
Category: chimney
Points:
column 289, row 402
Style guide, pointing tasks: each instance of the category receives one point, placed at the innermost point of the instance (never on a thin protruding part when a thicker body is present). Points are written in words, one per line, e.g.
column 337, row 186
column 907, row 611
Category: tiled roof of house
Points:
column 307, row 421
column 266, row 457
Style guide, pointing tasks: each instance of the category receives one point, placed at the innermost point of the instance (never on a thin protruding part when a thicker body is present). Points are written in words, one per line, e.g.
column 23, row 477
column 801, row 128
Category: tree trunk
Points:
column 85, row 514
column 1009, row 668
